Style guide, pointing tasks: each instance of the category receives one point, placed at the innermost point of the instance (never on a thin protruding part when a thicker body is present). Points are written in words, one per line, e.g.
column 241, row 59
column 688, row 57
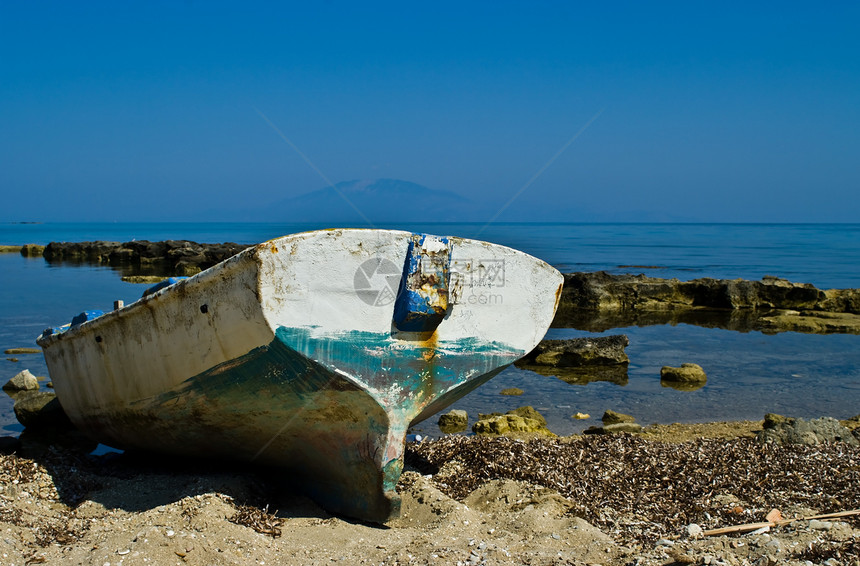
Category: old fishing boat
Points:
column 313, row 352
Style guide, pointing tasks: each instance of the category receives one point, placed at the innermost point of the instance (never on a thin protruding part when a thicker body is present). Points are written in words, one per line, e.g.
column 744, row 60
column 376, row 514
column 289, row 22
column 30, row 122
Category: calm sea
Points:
column 748, row 373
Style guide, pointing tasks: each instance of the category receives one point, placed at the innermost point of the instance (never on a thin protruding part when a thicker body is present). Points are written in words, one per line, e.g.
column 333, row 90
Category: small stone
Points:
column 581, row 416
column 817, row 525
column 694, row 530
column 612, row 417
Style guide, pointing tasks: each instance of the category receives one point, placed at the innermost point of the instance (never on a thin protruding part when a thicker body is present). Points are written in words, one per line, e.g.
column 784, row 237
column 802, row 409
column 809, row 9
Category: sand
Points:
column 61, row 506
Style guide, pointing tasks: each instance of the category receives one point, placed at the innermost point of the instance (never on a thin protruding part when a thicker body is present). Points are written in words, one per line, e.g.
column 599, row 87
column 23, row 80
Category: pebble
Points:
column 665, row 542
column 694, row 530
column 817, row 525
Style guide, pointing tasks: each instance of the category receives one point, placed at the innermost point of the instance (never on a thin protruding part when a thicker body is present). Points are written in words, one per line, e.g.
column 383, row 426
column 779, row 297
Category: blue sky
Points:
column 726, row 112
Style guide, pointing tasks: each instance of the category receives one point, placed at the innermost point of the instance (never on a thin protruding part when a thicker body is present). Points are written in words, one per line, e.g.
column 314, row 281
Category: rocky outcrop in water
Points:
column 600, row 301
column 579, row 352
column 169, row 257
column 579, row 361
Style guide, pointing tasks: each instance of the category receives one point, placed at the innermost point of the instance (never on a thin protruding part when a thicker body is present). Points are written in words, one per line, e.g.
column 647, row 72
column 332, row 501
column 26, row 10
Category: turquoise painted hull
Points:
column 316, row 406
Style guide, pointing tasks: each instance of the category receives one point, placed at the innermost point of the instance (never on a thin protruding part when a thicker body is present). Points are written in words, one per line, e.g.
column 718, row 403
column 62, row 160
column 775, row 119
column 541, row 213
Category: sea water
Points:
column 748, row 373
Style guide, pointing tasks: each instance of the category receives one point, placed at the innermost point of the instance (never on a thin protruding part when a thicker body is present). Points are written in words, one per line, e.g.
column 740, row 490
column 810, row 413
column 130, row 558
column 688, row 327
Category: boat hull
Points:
column 289, row 354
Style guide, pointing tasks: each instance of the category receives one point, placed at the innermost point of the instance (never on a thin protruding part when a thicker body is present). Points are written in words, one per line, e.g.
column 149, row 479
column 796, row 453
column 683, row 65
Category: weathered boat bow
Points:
column 313, row 352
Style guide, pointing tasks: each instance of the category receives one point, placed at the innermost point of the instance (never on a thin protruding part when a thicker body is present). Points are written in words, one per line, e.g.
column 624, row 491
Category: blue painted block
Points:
column 422, row 300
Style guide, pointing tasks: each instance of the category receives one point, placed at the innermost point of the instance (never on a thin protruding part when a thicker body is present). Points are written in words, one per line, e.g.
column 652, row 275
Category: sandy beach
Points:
column 621, row 499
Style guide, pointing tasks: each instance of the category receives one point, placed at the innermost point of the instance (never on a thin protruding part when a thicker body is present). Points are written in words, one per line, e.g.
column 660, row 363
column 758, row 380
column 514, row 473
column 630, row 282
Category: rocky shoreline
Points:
column 590, row 301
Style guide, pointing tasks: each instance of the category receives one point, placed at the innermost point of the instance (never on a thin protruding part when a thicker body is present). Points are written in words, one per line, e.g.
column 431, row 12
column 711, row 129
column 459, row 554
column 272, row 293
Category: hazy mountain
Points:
column 377, row 200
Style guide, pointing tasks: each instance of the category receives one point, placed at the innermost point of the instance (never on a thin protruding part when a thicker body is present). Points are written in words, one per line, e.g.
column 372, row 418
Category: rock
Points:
column 7, row 249
column 510, row 425
column 773, row 420
column 40, row 409
column 694, row 531
column 802, row 431
column 23, row 381
column 811, row 322
column 511, row 391
column 817, row 525
column 529, row 412
column 687, row 373
column 455, row 420
column 14, row 351
column 32, row 250
column 611, row 417
column 851, row 424
column 580, row 416
column 579, row 352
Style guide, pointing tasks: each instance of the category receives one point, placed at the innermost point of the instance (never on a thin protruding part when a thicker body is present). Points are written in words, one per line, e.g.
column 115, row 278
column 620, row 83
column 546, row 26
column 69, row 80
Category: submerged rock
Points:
column 23, row 381
column 687, row 373
column 514, row 391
